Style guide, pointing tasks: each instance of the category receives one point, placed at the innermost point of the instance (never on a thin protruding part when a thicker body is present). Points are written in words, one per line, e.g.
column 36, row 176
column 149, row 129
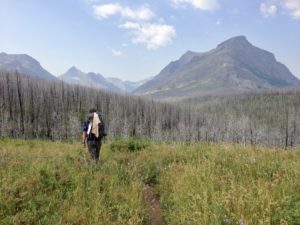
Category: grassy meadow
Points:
column 43, row 182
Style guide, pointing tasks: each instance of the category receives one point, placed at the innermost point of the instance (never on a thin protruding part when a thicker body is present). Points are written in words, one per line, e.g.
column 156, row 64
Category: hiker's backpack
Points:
column 101, row 127
column 102, row 132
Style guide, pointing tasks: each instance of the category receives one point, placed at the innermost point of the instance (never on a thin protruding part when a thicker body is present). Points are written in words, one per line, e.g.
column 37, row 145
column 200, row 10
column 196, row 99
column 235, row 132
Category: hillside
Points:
column 127, row 86
column 24, row 64
column 45, row 182
column 233, row 66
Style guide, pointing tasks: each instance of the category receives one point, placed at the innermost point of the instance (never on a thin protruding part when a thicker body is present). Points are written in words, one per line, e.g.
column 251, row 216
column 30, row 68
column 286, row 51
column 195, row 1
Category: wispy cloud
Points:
column 143, row 24
column 153, row 35
column 293, row 7
column 268, row 9
column 206, row 5
column 116, row 52
column 271, row 7
column 107, row 10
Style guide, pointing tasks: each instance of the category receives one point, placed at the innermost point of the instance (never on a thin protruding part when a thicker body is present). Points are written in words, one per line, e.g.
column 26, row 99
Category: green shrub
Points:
column 149, row 171
column 132, row 144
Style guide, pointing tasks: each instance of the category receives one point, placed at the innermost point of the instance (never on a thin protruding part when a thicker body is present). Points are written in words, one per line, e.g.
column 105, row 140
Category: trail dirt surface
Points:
column 151, row 200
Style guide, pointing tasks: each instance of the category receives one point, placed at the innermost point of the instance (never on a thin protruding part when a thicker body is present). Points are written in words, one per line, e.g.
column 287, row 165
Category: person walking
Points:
column 93, row 133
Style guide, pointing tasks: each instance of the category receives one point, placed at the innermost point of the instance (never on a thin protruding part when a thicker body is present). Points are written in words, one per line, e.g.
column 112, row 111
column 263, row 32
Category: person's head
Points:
column 91, row 113
column 92, row 110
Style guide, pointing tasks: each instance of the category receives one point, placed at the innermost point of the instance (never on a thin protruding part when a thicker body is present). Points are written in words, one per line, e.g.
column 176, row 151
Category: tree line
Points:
column 269, row 118
column 35, row 108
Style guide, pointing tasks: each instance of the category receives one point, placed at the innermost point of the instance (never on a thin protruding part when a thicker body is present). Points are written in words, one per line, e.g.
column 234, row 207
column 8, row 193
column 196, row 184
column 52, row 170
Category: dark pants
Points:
column 94, row 149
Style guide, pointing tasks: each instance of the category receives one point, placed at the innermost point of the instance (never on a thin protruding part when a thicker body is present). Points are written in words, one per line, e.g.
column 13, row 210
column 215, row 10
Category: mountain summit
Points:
column 24, row 64
column 234, row 65
column 236, row 42
column 96, row 80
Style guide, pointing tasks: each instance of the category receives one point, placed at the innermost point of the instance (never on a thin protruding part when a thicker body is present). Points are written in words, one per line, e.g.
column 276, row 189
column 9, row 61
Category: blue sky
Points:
column 133, row 40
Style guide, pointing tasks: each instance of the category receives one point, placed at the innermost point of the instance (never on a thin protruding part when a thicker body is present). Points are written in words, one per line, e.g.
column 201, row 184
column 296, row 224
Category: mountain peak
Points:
column 240, row 38
column 238, row 41
column 25, row 64
column 189, row 52
column 74, row 69
column 73, row 73
column 188, row 56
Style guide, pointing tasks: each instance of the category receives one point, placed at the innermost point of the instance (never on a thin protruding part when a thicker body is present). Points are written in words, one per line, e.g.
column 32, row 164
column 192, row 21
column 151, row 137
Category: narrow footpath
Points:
column 152, row 204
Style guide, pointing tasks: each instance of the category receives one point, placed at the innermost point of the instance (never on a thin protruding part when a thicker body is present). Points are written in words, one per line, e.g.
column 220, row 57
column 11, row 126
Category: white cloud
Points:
column 206, row 5
column 293, row 7
column 116, row 52
column 218, row 22
column 153, row 35
column 106, row 10
column 130, row 25
column 268, row 9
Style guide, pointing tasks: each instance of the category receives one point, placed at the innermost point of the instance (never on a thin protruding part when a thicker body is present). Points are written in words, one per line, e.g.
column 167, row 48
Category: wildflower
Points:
column 241, row 222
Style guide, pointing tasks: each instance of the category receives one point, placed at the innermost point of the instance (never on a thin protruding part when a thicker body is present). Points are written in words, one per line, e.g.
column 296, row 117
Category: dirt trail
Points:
column 152, row 204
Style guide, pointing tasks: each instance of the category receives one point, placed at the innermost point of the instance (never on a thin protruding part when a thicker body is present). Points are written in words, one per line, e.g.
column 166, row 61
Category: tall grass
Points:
column 55, row 183
column 232, row 185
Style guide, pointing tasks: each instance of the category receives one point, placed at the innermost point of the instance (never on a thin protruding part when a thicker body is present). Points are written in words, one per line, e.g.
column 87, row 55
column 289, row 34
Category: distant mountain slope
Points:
column 127, row 86
column 24, row 64
column 75, row 76
column 235, row 65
